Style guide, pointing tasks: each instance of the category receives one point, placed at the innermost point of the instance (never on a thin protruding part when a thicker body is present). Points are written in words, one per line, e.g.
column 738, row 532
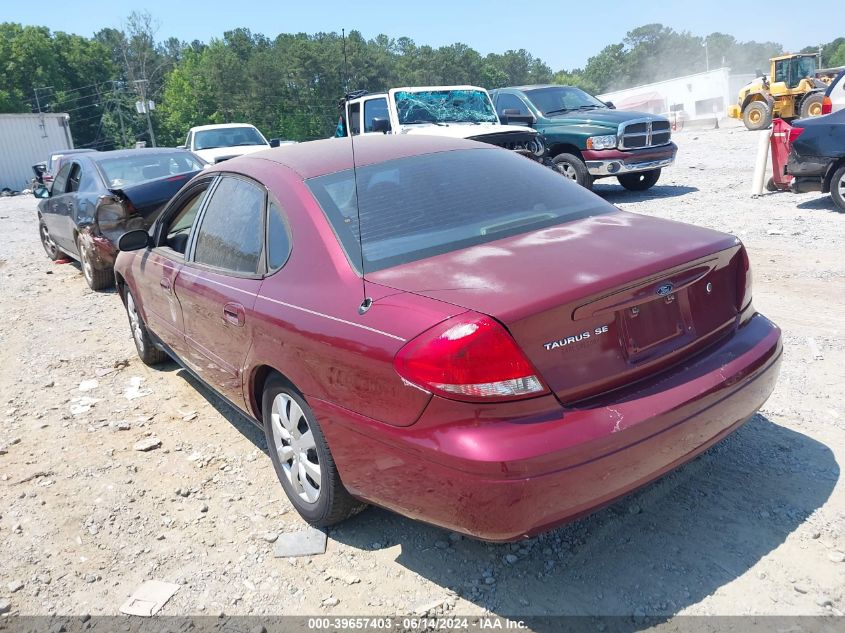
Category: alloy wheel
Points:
column 294, row 444
column 135, row 322
column 87, row 267
column 47, row 242
column 567, row 170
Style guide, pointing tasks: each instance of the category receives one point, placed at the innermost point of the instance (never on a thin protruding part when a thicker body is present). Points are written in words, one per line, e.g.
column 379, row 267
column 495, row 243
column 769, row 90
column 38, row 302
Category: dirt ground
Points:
column 754, row 526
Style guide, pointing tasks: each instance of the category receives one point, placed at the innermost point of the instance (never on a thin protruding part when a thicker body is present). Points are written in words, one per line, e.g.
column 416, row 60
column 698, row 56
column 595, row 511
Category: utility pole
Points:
column 38, row 105
column 119, row 114
column 142, row 90
column 706, row 54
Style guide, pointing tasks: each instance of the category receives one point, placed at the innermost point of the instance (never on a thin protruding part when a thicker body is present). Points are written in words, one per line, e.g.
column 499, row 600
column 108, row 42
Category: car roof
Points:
column 327, row 156
column 65, row 152
column 146, row 151
column 220, row 126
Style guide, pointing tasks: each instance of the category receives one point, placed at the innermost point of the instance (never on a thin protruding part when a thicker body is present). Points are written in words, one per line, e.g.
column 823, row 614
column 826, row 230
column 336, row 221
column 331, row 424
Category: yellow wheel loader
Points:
column 790, row 91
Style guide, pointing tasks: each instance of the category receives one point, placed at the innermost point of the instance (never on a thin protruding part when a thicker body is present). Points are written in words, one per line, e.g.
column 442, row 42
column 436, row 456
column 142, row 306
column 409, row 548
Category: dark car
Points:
column 817, row 155
column 96, row 197
column 490, row 348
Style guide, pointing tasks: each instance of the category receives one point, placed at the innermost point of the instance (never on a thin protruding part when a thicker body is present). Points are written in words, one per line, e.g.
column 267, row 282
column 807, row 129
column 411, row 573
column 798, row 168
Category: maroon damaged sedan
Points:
column 459, row 335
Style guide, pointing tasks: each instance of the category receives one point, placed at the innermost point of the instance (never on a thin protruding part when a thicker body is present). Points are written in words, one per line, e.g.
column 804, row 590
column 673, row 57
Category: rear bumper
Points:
column 502, row 479
column 612, row 162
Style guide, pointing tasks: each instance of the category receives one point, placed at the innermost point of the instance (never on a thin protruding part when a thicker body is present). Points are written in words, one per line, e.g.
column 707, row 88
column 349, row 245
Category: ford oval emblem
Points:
column 665, row 289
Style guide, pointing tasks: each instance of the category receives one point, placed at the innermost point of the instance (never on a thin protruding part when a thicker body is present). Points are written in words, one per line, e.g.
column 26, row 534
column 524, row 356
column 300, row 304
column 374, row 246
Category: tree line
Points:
column 289, row 85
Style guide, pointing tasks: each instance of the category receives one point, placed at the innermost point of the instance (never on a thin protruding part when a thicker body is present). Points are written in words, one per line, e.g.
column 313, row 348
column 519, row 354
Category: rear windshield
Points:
column 125, row 171
column 417, row 207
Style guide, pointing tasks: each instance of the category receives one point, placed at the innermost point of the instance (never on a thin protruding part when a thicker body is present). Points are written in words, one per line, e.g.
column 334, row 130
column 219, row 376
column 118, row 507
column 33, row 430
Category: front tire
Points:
column 301, row 457
column 812, row 105
column 639, row 181
column 97, row 278
column 757, row 116
column 147, row 351
column 572, row 167
column 837, row 187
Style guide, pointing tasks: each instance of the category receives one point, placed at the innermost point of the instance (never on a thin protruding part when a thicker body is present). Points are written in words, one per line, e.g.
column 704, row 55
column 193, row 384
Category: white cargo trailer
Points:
column 26, row 139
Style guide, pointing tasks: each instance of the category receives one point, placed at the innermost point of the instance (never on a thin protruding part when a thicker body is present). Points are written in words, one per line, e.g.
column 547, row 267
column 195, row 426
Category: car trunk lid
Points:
column 597, row 303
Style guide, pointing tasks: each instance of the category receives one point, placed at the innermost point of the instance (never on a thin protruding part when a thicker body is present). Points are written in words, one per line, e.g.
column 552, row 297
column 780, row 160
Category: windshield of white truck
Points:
column 444, row 106
column 228, row 137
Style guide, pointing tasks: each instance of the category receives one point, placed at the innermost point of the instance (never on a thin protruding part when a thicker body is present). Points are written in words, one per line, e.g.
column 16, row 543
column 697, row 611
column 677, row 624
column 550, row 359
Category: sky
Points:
column 563, row 34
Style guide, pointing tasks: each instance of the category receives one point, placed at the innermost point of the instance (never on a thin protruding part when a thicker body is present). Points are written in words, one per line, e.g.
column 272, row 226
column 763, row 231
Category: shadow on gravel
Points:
column 644, row 558
column 823, row 203
column 617, row 193
column 243, row 425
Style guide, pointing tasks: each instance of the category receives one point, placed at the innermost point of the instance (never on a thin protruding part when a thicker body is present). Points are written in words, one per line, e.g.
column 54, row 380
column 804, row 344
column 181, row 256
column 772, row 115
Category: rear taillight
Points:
column 744, row 279
column 469, row 357
column 827, row 105
column 794, row 133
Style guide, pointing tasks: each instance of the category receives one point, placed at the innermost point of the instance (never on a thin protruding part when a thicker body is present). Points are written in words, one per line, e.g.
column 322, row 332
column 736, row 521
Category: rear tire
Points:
column 639, row 181
column 812, row 105
column 97, row 278
column 301, row 457
column 572, row 167
column 837, row 187
column 757, row 116
column 147, row 351
column 50, row 247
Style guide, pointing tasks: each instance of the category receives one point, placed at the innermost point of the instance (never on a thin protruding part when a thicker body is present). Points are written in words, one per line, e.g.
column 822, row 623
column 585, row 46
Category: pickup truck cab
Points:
column 216, row 143
column 589, row 139
column 453, row 111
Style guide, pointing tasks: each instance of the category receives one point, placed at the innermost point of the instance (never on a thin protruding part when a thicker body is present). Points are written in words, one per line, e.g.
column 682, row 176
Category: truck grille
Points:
column 644, row 133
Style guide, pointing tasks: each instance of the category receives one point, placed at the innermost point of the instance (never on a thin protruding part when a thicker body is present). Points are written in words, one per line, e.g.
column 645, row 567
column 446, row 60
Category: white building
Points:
column 702, row 96
column 26, row 139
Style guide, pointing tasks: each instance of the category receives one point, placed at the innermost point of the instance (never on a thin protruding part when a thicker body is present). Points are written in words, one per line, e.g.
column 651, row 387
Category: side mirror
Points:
column 275, row 142
column 41, row 192
column 133, row 240
column 512, row 116
column 381, row 125
column 610, row 105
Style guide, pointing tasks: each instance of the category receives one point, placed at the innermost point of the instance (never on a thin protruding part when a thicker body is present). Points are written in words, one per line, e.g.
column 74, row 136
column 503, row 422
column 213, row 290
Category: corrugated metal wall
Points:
column 26, row 139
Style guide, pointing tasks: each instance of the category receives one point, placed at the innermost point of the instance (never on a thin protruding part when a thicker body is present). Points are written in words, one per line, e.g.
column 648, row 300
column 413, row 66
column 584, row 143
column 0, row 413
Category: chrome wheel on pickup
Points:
column 572, row 167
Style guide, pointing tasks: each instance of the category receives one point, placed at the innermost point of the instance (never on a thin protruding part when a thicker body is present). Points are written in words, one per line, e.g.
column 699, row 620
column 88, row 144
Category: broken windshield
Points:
column 444, row 106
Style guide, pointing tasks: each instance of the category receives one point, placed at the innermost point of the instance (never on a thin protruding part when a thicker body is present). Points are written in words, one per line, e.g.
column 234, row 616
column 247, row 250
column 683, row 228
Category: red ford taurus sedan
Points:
column 449, row 330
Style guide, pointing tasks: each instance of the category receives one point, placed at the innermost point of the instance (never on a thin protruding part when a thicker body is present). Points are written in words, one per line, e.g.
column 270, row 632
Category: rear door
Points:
column 218, row 284
column 57, row 210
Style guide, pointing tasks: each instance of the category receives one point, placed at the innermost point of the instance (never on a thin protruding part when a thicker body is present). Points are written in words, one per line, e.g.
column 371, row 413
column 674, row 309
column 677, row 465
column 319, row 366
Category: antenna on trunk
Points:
column 367, row 302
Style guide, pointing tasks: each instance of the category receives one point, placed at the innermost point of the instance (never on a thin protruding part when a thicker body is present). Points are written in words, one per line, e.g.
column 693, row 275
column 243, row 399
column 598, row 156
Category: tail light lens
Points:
column 827, row 105
column 794, row 133
column 469, row 357
column 744, row 279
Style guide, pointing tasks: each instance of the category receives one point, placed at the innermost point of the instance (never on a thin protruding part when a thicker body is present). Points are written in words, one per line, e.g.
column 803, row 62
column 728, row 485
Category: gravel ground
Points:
column 753, row 526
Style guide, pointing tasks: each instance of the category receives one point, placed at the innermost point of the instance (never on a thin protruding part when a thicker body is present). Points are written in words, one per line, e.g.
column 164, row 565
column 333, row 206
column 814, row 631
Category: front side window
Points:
column 510, row 102
column 374, row 108
column 231, row 230
column 178, row 228
column 74, row 178
column 421, row 206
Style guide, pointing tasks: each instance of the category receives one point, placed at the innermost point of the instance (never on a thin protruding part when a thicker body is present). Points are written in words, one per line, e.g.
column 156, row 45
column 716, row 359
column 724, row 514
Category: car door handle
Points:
column 165, row 283
column 234, row 313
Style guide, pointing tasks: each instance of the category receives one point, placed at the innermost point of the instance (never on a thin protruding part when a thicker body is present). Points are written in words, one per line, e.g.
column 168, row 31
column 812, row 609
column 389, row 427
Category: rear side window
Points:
column 425, row 205
column 60, row 182
column 231, row 230
column 278, row 239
